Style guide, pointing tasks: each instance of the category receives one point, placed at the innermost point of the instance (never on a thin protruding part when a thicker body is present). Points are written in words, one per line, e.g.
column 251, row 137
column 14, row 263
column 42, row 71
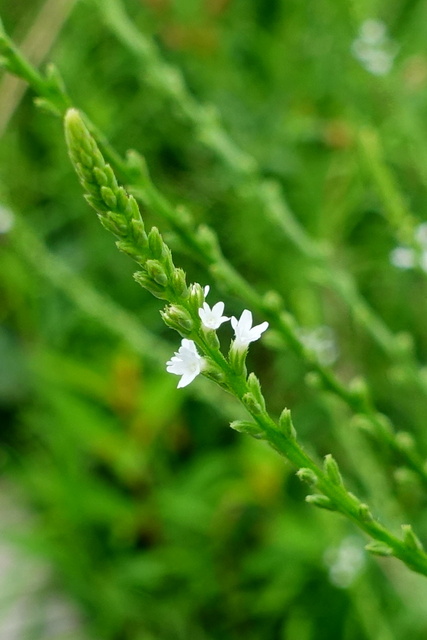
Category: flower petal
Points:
column 245, row 322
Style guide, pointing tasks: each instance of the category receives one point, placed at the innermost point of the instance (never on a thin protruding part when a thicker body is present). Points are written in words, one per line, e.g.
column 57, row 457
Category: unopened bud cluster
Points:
column 119, row 213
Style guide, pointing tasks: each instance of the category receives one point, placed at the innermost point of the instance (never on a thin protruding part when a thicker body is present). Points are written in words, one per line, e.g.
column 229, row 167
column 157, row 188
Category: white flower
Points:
column 403, row 258
column 212, row 318
column 206, row 290
column 421, row 235
column 321, row 341
column 373, row 32
column 244, row 331
column 6, row 220
column 186, row 362
column 374, row 49
column 407, row 257
column 345, row 562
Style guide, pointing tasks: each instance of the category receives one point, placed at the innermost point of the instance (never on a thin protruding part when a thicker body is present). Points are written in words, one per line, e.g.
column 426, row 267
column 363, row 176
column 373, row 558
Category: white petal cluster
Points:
column 186, row 362
column 345, row 562
column 408, row 258
column 321, row 341
column 212, row 318
column 374, row 49
column 244, row 332
column 7, row 220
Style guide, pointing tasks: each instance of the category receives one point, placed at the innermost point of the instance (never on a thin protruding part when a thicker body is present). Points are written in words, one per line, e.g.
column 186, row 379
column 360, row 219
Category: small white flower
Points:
column 403, row 258
column 345, row 562
column 7, row 220
column 321, row 341
column 206, row 290
column 421, row 235
column 212, row 318
column 373, row 32
column 374, row 49
column 244, row 331
column 186, row 362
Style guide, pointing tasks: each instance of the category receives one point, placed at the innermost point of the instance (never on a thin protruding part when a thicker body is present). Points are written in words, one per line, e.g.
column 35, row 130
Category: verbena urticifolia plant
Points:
column 188, row 313
column 201, row 321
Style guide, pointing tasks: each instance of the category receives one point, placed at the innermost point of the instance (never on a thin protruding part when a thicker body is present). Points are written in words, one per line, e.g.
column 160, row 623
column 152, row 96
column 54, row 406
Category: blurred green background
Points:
column 157, row 521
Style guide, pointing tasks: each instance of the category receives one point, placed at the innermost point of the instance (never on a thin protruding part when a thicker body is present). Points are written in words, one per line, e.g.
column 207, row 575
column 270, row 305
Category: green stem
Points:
column 120, row 214
column 225, row 274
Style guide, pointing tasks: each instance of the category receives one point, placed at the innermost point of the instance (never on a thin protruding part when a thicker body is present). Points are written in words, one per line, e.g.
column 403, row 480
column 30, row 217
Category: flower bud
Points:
column 156, row 271
column 379, row 549
column 109, row 198
column 178, row 318
column 196, row 296
column 307, row 475
column 255, row 388
column 132, row 209
column 138, row 233
column 250, row 428
column 129, row 249
column 331, row 469
column 321, row 501
column 178, row 283
column 410, row 539
column 251, row 404
column 148, row 283
column 286, row 425
column 155, row 242
column 237, row 359
column 100, row 177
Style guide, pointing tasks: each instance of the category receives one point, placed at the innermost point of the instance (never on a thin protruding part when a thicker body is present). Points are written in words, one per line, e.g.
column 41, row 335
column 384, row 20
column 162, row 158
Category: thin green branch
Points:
column 119, row 213
column 203, row 245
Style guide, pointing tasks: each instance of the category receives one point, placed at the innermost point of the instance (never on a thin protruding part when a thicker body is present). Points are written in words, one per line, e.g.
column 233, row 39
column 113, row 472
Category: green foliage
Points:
column 297, row 185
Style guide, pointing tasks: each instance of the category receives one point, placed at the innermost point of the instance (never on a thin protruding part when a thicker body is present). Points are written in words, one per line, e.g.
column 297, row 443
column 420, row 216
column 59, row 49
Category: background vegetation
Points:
column 158, row 520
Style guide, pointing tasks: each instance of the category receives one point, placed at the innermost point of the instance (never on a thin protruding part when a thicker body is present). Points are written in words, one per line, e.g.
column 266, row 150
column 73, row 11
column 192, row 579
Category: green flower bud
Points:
column 122, row 201
column 155, row 242
column 379, row 549
column 237, row 360
column 252, row 404
column 130, row 250
column 249, row 428
column 179, row 284
column 410, row 539
column 94, row 202
column 307, row 475
column 109, row 198
column 100, row 177
column 111, row 178
column 331, row 469
column 148, row 283
column 286, row 425
column 138, row 233
column 112, row 223
column 255, row 388
column 132, row 209
column 211, row 338
column 196, row 296
column 156, row 271
column 178, row 318
column 321, row 501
